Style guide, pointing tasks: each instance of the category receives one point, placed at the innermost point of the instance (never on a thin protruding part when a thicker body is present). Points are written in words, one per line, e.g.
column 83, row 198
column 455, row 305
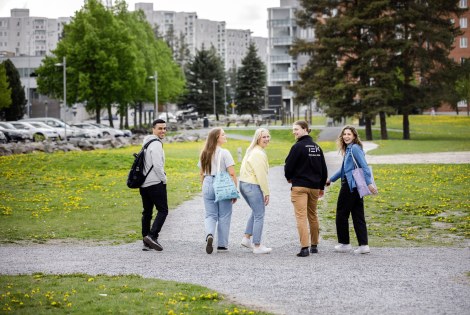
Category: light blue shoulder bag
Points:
column 224, row 187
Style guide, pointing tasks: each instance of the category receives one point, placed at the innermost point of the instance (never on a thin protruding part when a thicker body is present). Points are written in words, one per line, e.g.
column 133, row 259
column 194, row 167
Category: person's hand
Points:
column 328, row 182
column 234, row 200
column 373, row 189
column 266, row 200
column 289, row 181
column 321, row 193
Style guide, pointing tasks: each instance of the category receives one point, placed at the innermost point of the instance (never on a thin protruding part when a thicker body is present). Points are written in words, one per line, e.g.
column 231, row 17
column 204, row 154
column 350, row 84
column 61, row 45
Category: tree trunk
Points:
column 140, row 114
column 368, row 123
column 383, row 126
column 135, row 115
column 406, row 126
column 110, row 116
column 98, row 113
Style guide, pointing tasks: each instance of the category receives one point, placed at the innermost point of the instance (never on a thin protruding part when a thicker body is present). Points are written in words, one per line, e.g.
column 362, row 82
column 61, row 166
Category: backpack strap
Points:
column 145, row 148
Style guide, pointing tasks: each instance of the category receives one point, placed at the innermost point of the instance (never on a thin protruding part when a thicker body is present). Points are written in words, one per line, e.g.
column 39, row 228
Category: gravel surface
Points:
column 387, row 281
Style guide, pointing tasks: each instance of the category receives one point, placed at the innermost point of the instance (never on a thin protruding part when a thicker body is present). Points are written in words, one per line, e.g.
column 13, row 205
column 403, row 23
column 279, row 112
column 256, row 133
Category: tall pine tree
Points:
column 18, row 99
column 251, row 83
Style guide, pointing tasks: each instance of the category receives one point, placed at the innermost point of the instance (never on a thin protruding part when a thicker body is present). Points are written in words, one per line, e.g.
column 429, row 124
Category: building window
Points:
column 463, row 22
column 463, row 42
column 463, row 4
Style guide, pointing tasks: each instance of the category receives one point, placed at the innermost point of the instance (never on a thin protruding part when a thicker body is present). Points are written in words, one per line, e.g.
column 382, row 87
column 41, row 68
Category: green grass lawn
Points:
column 85, row 294
column 428, row 134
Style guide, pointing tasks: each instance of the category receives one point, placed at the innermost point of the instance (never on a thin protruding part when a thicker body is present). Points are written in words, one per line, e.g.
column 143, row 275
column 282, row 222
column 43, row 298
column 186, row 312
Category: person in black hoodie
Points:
column 306, row 170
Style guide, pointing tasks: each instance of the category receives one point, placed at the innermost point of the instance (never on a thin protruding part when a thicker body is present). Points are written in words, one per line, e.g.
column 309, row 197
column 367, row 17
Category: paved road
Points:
column 388, row 281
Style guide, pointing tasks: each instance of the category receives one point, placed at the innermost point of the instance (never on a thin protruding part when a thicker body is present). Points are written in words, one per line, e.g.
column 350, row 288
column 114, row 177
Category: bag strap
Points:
column 218, row 160
column 145, row 148
column 354, row 160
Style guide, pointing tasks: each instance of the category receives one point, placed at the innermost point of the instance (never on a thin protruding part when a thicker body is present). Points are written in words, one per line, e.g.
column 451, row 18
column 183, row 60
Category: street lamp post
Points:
column 155, row 106
column 64, row 67
column 213, row 95
column 45, row 107
column 225, row 97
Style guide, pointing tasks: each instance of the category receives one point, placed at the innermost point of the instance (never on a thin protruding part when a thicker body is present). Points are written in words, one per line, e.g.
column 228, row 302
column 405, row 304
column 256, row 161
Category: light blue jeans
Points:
column 254, row 198
column 218, row 214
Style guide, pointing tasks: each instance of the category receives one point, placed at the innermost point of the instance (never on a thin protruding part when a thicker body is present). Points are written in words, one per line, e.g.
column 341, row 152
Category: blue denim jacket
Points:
column 348, row 166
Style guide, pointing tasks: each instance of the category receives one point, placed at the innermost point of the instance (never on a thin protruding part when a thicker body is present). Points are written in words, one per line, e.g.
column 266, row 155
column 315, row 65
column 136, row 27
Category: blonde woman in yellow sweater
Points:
column 255, row 190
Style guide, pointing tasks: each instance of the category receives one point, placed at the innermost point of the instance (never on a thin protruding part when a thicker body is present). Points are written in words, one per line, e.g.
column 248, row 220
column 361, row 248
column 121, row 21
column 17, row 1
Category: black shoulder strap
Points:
column 145, row 148
column 148, row 143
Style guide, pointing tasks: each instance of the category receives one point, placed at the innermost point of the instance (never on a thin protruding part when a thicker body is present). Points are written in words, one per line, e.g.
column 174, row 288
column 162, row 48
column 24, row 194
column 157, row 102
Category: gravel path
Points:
column 388, row 281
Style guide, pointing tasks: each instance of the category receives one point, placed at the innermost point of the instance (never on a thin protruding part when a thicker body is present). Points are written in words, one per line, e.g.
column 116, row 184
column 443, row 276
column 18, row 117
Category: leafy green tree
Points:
column 424, row 39
column 110, row 55
column 251, row 83
column 5, row 90
column 349, row 71
column 18, row 99
column 372, row 57
column 200, row 75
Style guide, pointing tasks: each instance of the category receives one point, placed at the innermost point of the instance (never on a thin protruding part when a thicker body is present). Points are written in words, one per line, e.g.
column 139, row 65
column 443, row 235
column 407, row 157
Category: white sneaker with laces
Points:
column 343, row 248
column 247, row 242
column 261, row 249
column 363, row 249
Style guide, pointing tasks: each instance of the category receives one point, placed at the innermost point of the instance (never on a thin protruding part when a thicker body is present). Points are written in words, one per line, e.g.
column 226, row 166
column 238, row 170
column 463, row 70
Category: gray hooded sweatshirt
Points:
column 154, row 156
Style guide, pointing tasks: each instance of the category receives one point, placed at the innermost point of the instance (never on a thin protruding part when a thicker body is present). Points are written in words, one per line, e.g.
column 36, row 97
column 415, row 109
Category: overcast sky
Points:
column 239, row 14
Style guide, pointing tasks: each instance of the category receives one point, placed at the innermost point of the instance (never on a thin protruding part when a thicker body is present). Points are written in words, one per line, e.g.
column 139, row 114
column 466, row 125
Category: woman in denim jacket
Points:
column 349, row 201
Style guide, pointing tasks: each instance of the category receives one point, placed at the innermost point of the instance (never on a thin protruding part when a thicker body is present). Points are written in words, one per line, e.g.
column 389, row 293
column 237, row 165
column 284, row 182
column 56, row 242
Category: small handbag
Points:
column 358, row 174
column 224, row 187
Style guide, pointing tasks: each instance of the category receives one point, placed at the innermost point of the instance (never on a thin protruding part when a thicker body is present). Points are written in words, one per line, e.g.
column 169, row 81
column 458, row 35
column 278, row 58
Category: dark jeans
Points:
column 350, row 203
column 153, row 195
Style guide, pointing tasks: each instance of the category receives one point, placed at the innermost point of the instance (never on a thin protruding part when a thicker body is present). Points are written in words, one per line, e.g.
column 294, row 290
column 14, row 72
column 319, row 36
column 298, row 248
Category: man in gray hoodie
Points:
column 153, row 190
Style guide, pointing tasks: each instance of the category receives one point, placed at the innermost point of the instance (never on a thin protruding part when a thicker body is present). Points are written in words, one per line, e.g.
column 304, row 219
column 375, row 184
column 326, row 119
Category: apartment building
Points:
column 282, row 70
column 461, row 51
column 25, row 40
column 230, row 44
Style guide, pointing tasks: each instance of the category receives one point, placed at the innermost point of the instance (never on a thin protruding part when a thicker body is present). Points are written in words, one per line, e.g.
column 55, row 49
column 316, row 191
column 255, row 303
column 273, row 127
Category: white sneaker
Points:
column 363, row 249
column 343, row 248
column 261, row 249
column 247, row 242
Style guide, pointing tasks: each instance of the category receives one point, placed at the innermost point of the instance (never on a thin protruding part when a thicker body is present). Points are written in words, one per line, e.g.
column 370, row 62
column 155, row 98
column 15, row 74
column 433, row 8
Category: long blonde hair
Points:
column 340, row 142
column 209, row 149
column 256, row 137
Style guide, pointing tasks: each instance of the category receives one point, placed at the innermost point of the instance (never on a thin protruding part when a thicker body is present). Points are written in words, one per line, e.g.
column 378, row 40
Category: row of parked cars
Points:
column 39, row 129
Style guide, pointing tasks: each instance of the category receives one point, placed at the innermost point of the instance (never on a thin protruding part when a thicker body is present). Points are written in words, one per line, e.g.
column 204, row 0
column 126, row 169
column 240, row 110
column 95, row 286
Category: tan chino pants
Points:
column 305, row 208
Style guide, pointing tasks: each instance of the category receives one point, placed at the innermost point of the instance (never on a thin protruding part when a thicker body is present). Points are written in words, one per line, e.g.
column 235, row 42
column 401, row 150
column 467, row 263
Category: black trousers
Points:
column 154, row 195
column 350, row 203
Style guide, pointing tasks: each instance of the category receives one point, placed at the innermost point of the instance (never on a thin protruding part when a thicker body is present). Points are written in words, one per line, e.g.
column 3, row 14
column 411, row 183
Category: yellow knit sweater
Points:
column 254, row 169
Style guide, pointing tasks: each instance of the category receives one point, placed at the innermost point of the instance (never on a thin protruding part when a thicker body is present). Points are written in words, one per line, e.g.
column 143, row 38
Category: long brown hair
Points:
column 209, row 149
column 340, row 142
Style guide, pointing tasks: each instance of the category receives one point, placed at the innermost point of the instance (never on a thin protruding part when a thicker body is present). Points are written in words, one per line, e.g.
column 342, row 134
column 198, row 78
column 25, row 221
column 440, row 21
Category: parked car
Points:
column 167, row 116
column 36, row 134
column 60, row 127
column 109, row 131
column 3, row 138
column 92, row 130
column 12, row 133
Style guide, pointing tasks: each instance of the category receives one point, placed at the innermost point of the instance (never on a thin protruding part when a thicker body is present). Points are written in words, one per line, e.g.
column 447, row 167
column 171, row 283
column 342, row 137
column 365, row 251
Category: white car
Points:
column 92, row 130
column 109, row 131
column 36, row 134
column 167, row 116
column 60, row 127
column 12, row 133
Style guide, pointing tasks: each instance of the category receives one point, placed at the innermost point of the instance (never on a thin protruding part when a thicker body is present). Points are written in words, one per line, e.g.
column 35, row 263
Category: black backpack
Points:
column 136, row 176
